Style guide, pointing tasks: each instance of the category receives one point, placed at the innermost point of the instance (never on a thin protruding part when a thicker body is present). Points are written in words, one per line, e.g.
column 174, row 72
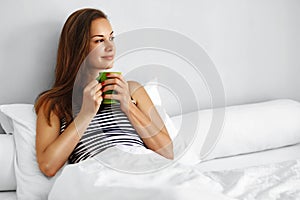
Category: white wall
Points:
column 253, row 43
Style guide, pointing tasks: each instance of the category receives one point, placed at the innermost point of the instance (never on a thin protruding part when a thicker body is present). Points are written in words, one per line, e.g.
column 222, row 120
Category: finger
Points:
column 111, row 96
column 112, row 87
column 99, row 100
column 116, row 76
column 115, row 82
column 110, row 81
column 97, row 88
column 98, row 93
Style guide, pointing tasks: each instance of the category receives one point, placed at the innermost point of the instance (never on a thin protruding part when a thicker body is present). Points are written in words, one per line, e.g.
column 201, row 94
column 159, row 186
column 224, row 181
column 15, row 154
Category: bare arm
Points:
column 148, row 123
column 143, row 117
column 52, row 148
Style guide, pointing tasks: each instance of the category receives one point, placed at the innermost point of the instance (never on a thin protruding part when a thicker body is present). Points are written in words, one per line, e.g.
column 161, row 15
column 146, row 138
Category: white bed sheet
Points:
column 267, row 175
column 277, row 181
column 229, row 163
column 10, row 195
column 91, row 179
column 291, row 152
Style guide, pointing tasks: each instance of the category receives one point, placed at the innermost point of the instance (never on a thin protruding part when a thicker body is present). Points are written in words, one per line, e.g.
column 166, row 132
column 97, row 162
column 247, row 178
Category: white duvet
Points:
column 92, row 179
column 268, row 182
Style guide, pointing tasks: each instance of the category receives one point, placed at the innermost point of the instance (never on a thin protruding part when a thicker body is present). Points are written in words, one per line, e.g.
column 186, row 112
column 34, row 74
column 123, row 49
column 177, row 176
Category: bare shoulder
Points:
column 134, row 86
column 42, row 116
column 138, row 93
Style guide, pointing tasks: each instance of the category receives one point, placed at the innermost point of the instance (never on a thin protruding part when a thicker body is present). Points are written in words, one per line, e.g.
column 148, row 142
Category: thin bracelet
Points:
column 76, row 129
column 133, row 101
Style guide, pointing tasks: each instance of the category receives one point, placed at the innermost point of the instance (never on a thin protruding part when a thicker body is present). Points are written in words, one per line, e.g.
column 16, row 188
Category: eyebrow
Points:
column 102, row 35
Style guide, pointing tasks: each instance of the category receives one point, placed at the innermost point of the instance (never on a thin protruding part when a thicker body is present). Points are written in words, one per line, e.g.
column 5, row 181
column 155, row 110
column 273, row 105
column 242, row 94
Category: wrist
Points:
column 82, row 120
column 83, row 116
column 133, row 101
column 77, row 131
column 131, row 107
column 127, row 107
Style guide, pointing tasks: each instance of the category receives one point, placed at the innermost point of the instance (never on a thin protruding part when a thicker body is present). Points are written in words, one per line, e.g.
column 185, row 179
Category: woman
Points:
column 60, row 135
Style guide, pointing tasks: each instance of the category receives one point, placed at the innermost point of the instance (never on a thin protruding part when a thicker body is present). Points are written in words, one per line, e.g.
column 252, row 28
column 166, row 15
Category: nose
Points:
column 109, row 46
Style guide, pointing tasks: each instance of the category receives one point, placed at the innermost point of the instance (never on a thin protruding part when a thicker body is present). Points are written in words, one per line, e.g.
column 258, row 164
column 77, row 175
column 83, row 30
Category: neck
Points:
column 87, row 74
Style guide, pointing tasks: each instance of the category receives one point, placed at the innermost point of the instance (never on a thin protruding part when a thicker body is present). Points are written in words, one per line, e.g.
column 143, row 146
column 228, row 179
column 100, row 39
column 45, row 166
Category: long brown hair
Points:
column 72, row 50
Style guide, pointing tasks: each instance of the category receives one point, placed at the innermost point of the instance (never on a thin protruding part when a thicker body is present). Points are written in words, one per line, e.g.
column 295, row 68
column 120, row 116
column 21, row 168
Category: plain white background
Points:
column 254, row 44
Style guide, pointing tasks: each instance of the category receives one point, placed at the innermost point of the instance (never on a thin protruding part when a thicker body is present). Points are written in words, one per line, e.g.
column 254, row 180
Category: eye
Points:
column 112, row 38
column 98, row 41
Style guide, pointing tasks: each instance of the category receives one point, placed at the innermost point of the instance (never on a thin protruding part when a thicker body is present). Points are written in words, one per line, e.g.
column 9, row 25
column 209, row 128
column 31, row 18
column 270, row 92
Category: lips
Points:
column 109, row 57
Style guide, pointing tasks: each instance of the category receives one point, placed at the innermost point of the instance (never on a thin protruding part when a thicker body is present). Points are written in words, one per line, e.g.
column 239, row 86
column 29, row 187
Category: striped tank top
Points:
column 109, row 127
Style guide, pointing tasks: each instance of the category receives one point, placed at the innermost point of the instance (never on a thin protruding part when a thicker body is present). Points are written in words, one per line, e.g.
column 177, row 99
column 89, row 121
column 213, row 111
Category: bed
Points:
column 265, row 169
column 256, row 152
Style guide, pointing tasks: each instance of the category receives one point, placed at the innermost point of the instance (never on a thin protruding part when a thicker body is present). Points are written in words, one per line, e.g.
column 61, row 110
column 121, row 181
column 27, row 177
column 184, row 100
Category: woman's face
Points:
column 101, row 48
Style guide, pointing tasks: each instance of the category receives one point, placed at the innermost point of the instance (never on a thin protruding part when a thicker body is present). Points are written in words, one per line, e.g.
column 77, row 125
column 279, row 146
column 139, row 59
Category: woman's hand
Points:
column 121, row 92
column 92, row 98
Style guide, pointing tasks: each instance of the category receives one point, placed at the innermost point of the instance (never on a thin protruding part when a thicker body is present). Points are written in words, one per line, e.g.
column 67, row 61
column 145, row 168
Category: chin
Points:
column 109, row 67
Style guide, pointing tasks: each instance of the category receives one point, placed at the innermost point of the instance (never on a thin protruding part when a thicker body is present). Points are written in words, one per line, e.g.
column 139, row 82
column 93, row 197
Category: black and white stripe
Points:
column 63, row 124
column 109, row 127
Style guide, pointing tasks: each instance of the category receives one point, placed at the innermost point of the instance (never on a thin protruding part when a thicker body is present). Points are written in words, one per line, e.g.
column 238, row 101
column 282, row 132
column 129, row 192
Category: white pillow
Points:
column 6, row 124
column 259, row 126
column 1, row 129
column 249, row 128
column 31, row 182
column 197, row 123
column 153, row 92
column 7, row 155
column 189, row 155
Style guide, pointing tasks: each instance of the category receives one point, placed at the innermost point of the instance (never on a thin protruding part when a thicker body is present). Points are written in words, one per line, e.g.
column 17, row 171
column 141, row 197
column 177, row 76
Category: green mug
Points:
column 102, row 77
